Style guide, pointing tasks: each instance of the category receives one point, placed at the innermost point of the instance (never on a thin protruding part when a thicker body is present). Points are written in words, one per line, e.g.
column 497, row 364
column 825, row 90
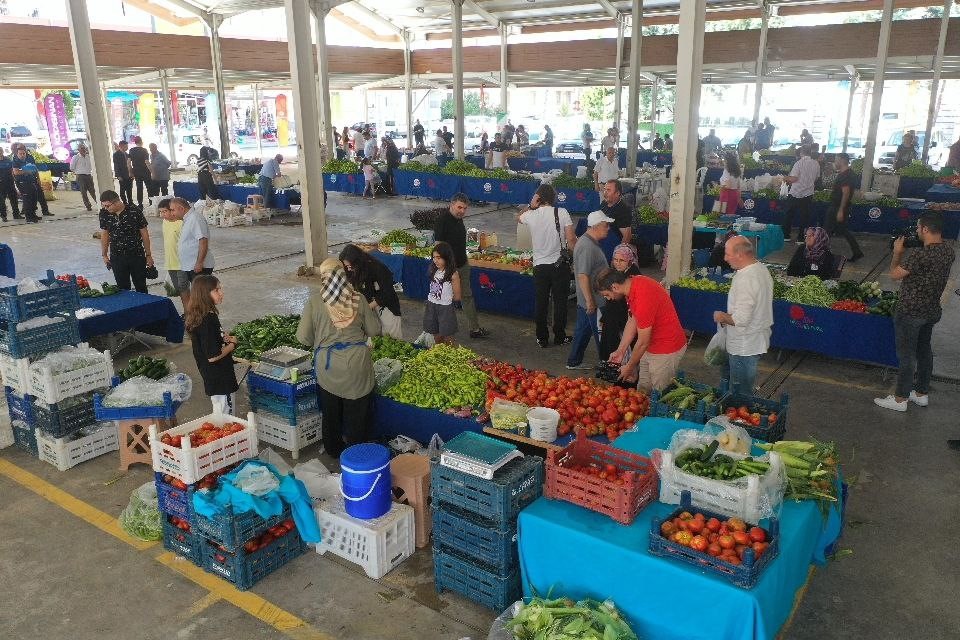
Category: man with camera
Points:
column 923, row 275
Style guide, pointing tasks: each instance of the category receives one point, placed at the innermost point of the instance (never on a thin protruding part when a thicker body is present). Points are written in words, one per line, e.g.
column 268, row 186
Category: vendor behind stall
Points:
column 814, row 257
column 269, row 171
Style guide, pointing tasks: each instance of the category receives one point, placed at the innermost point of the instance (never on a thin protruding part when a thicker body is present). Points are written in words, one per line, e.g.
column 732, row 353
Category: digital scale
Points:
column 477, row 455
column 279, row 363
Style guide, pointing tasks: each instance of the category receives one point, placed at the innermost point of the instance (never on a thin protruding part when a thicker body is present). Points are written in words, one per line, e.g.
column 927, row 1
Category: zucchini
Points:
column 709, row 451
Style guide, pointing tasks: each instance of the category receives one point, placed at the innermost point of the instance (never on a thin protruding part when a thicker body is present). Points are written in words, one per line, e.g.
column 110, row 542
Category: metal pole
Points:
column 105, row 110
column 633, row 108
column 618, row 87
column 214, row 21
column 880, row 68
column 854, row 80
column 256, row 121
column 761, row 60
column 653, row 108
column 408, row 87
column 81, row 41
column 935, row 86
column 323, row 74
column 458, row 128
column 503, row 69
column 683, row 188
column 168, row 118
column 302, row 56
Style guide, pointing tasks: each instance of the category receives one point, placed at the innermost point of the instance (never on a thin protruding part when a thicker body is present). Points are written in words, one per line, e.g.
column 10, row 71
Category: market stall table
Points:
column 542, row 165
column 942, row 193
column 237, row 193
column 490, row 189
column 578, row 200
column 8, row 267
column 769, row 240
column 435, row 186
column 571, row 551
column 132, row 310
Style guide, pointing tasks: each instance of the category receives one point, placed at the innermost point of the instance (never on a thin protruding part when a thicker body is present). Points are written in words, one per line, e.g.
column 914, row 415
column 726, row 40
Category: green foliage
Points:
column 471, row 107
column 594, row 103
column 69, row 104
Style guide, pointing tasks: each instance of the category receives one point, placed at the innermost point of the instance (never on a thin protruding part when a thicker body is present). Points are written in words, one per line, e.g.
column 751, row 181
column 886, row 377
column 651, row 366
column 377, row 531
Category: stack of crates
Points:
column 475, row 529
column 288, row 412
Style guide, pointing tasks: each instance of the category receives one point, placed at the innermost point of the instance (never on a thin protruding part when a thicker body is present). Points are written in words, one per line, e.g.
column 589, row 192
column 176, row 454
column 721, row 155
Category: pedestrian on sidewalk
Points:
column 450, row 228
column 124, row 241
column 840, row 199
column 122, row 172
column 159, row 172
column 7, row 188
column 140, row 165
column 82, row 166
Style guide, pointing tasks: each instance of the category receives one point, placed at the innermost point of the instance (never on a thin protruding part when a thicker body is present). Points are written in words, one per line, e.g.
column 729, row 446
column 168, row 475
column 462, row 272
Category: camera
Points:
column 910, row 238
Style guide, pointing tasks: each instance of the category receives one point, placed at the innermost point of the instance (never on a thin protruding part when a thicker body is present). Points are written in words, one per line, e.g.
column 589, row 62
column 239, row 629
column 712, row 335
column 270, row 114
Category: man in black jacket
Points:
column 450, row 229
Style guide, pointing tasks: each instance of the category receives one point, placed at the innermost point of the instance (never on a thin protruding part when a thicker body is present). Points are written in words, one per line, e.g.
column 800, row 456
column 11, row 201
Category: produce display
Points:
column 522, row 260
column 707, row 463
column 263, row 334
column 566, row 181
column 768, row 192
column 86, row 291
column 886, row 305
column 747, row 162
column 648, row 214
column 810, row 291
column 884, row 201
column 388, row 347
column 951, row 181
column 267, row 537
column 824, row 195
column 682, row 396
column 246, row 179
column 440, row 378
column 702, row 284
column 811, row 470
column 727, row 540
column 750, row 416
column 854, row 306
column 917, row 169
column 426, row 219
column 398, row 236
column 460, row 168
column 207, row 433
column 942, row 206
column 340, row 166
column 155, row 368
column 208, row 481
column 564, row 619
column 419, row 167
column 82, row 283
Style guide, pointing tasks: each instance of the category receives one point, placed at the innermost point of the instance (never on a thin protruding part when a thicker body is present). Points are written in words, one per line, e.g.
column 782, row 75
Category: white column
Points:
column 633, row 104
column 879, row 70
column 935, row 85
column 761, row 60
column 618, row 87
column 408, row 87
column 168, row 118
column 854, row 80
column 105, row 110
column 323, row 74
column 366, row 106
column 94, row 114
column 654, row 87
column 256, row 121
column 458, row 128
column 686, row 117
column 504, row 106
column 305, row 111
column 213, row 22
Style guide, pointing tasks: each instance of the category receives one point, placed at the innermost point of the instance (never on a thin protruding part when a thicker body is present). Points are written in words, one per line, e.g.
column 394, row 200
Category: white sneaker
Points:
column 890, row 402
column 917, row 399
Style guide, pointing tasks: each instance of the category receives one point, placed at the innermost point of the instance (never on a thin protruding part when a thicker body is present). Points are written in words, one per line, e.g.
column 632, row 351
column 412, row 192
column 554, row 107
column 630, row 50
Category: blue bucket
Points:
column 365, row 480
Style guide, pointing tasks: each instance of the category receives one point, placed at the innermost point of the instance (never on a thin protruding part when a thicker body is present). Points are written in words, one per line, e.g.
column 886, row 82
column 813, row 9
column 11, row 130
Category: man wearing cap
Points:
column 269, row 171
column 588, row 262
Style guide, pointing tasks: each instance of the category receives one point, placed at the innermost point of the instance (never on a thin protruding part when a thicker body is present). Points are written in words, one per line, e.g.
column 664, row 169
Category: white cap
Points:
column 596, row 218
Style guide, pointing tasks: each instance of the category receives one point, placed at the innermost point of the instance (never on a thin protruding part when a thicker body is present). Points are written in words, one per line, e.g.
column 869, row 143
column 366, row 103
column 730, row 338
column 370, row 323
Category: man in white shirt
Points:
column 369, row 146
column 193, row 248
column 802, row 180
column 82, row 167
column 749, row 315
column 609, row 140
column 549, row 225
column 269, row 171
column 608, row 168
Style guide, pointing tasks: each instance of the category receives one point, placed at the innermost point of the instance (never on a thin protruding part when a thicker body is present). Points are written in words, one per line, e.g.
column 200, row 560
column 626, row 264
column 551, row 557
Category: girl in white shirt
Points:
column 439, row 317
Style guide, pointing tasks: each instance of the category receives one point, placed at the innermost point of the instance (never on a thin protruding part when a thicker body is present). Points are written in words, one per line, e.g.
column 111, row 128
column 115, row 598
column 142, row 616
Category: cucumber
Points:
column 709, row 451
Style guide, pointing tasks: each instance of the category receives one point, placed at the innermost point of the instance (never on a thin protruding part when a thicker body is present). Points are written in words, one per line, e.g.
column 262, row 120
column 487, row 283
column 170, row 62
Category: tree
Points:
column 471, row 107
column 594, row 103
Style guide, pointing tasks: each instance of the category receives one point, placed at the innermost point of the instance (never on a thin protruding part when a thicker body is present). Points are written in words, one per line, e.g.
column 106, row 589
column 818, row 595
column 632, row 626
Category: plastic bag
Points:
column 499, row 630
column 763, row 181
column 404, row 444
column 270, row 456
column 508, row 415
column 68, row 358
column 424, row 340
column 784, row 189
column 319, row 482
column 256, row 480
column 435, row 447
column 716, row 352
column 144, row 392
column 141, row 517
column 732, row 437
column 660, row 200
column 387, row 372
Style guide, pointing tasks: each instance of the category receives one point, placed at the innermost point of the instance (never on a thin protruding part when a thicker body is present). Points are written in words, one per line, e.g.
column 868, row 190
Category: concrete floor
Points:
column 898, row 466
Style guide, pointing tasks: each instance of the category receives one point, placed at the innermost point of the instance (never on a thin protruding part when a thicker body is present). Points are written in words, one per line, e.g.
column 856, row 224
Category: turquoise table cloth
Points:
column 768, row 240
column 580, row 553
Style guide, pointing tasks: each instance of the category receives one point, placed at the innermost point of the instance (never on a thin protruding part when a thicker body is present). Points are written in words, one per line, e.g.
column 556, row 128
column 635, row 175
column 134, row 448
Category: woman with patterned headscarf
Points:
column 336, row 323
column 613, row 318
column 814, row 257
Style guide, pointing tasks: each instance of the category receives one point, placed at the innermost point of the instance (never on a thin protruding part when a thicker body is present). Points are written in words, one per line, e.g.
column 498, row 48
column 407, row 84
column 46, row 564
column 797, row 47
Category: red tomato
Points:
column 726, row 542
column 741, row 537
column 695, row 526
column 757, row 534
column 737, row 524
column 713, row 525
column 714, row 549
column 698, row 543
column 667, row 529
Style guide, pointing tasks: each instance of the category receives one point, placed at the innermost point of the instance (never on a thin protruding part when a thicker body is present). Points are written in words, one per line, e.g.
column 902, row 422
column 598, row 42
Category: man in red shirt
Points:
column 659, row 341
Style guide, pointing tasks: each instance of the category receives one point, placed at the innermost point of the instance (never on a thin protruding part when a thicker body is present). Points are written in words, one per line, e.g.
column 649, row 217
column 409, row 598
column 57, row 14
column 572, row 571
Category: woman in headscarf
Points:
column 613, row 317
column 336, row 323
column 814, row 257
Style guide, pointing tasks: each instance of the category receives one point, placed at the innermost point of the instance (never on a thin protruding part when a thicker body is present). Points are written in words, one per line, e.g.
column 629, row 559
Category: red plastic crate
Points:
column 620, row 502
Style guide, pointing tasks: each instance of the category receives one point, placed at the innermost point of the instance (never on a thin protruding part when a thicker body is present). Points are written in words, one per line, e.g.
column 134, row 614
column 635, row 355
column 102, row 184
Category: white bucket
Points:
column 543, row 423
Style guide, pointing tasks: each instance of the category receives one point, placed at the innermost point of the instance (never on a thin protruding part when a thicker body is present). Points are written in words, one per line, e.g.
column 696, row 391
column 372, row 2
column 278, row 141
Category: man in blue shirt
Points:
column 269, row 171
column 7, row 190
column 25, row 177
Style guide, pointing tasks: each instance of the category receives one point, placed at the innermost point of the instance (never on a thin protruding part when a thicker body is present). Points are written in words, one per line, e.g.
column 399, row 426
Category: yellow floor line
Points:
column 88, row 513
column 281, row 620
column 202, row 604
column 835, row 383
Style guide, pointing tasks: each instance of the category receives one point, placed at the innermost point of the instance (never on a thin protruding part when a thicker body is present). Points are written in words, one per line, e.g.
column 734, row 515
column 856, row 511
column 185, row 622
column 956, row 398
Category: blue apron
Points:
column 336, row 346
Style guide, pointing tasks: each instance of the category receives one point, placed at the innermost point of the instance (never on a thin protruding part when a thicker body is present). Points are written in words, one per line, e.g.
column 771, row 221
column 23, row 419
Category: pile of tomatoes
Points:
column 267, row 537
column 854, row 306
column 82, row 283
column 608, row 472
column 583, row 403
column 727, row 540
column 749, row 418
column 207, row 433
column 208, row 481
column 180, row 523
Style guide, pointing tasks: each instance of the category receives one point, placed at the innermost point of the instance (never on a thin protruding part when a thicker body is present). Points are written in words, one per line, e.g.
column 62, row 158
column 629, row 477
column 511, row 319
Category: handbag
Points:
column 566, row 256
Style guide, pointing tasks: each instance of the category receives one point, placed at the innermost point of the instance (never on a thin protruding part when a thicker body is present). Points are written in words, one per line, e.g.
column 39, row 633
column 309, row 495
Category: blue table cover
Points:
column 951, row 219
column 579, row 553
column 436, row 186
column 476, row 160
column 578, row 200
column 392, row 418
column 656, row 158
column 56, row 169
column 768, row 240
column 495, row 190
column 235, row 193
column 914, row 187
column 542, row 165
column 344, row 182
column 651, row 233
column 943, row 193
column 127, row 310
column 8, row 267
column 837, row 334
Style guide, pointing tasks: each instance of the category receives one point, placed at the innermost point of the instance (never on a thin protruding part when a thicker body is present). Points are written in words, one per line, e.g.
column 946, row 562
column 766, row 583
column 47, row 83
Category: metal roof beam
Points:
column 610, row 9
column 140, row 77
column 188, row 7
column 376, row 17
column 488, row 17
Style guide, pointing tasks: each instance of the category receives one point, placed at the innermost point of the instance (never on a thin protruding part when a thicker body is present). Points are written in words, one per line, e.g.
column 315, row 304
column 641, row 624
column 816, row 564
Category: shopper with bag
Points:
column 373, row 279
column 749, row 315
column 553, row 240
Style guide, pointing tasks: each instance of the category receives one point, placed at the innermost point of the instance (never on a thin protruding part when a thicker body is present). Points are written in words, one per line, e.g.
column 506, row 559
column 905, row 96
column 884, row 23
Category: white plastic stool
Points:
column 377, row 545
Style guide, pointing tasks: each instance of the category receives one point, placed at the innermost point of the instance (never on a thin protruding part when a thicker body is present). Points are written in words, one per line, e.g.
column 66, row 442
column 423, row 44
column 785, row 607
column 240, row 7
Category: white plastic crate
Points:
column 378, row 545
column 275, row 430
column 52, row 388
column 15, row 373
column 190, row 464
column 65, row 453
column 749, row 503
column 6, row 431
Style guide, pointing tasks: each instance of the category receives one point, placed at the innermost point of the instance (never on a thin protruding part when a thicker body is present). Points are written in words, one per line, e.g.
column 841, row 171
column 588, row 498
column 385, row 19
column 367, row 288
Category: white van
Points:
column 938, row 154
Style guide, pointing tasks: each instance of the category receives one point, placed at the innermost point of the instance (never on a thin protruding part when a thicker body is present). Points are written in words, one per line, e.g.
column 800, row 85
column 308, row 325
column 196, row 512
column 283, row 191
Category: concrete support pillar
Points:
column 305, row 111
column 504, row 105
column 458, row 128
column 618, row 87
column 105, row 110
column 94, row 114
column 213, row 22
column 761, row 60
column 168, row 118
column 683, row 188
column 256, row 121
column 854, row 81
column 633, row 108
column 935, row 85
column 880, row 68
column 366, row 106
column 654, row 88
column 408, row 87
column 323, row 75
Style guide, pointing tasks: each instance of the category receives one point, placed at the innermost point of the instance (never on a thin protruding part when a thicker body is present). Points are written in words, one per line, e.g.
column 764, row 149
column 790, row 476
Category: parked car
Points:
column 569, row 148
column 188, row 145
column 17, row 133
column 937, row 156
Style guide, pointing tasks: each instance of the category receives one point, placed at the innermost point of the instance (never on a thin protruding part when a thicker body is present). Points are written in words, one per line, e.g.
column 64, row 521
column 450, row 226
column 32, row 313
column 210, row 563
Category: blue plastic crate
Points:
column 700, row 414
column 20, row 407
column 167, row 410
column 744, row 575
column 766, row 431
column 59, row 297
column 183, row 543
column 178, row 502
column 456, row 573
column 27, row 343
column 292, row 412
column 231, row 530
column 306, row 383
column 60, row 422
column 513, row 487
column 463, row 533
column 25, row 438
column 244, row 569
